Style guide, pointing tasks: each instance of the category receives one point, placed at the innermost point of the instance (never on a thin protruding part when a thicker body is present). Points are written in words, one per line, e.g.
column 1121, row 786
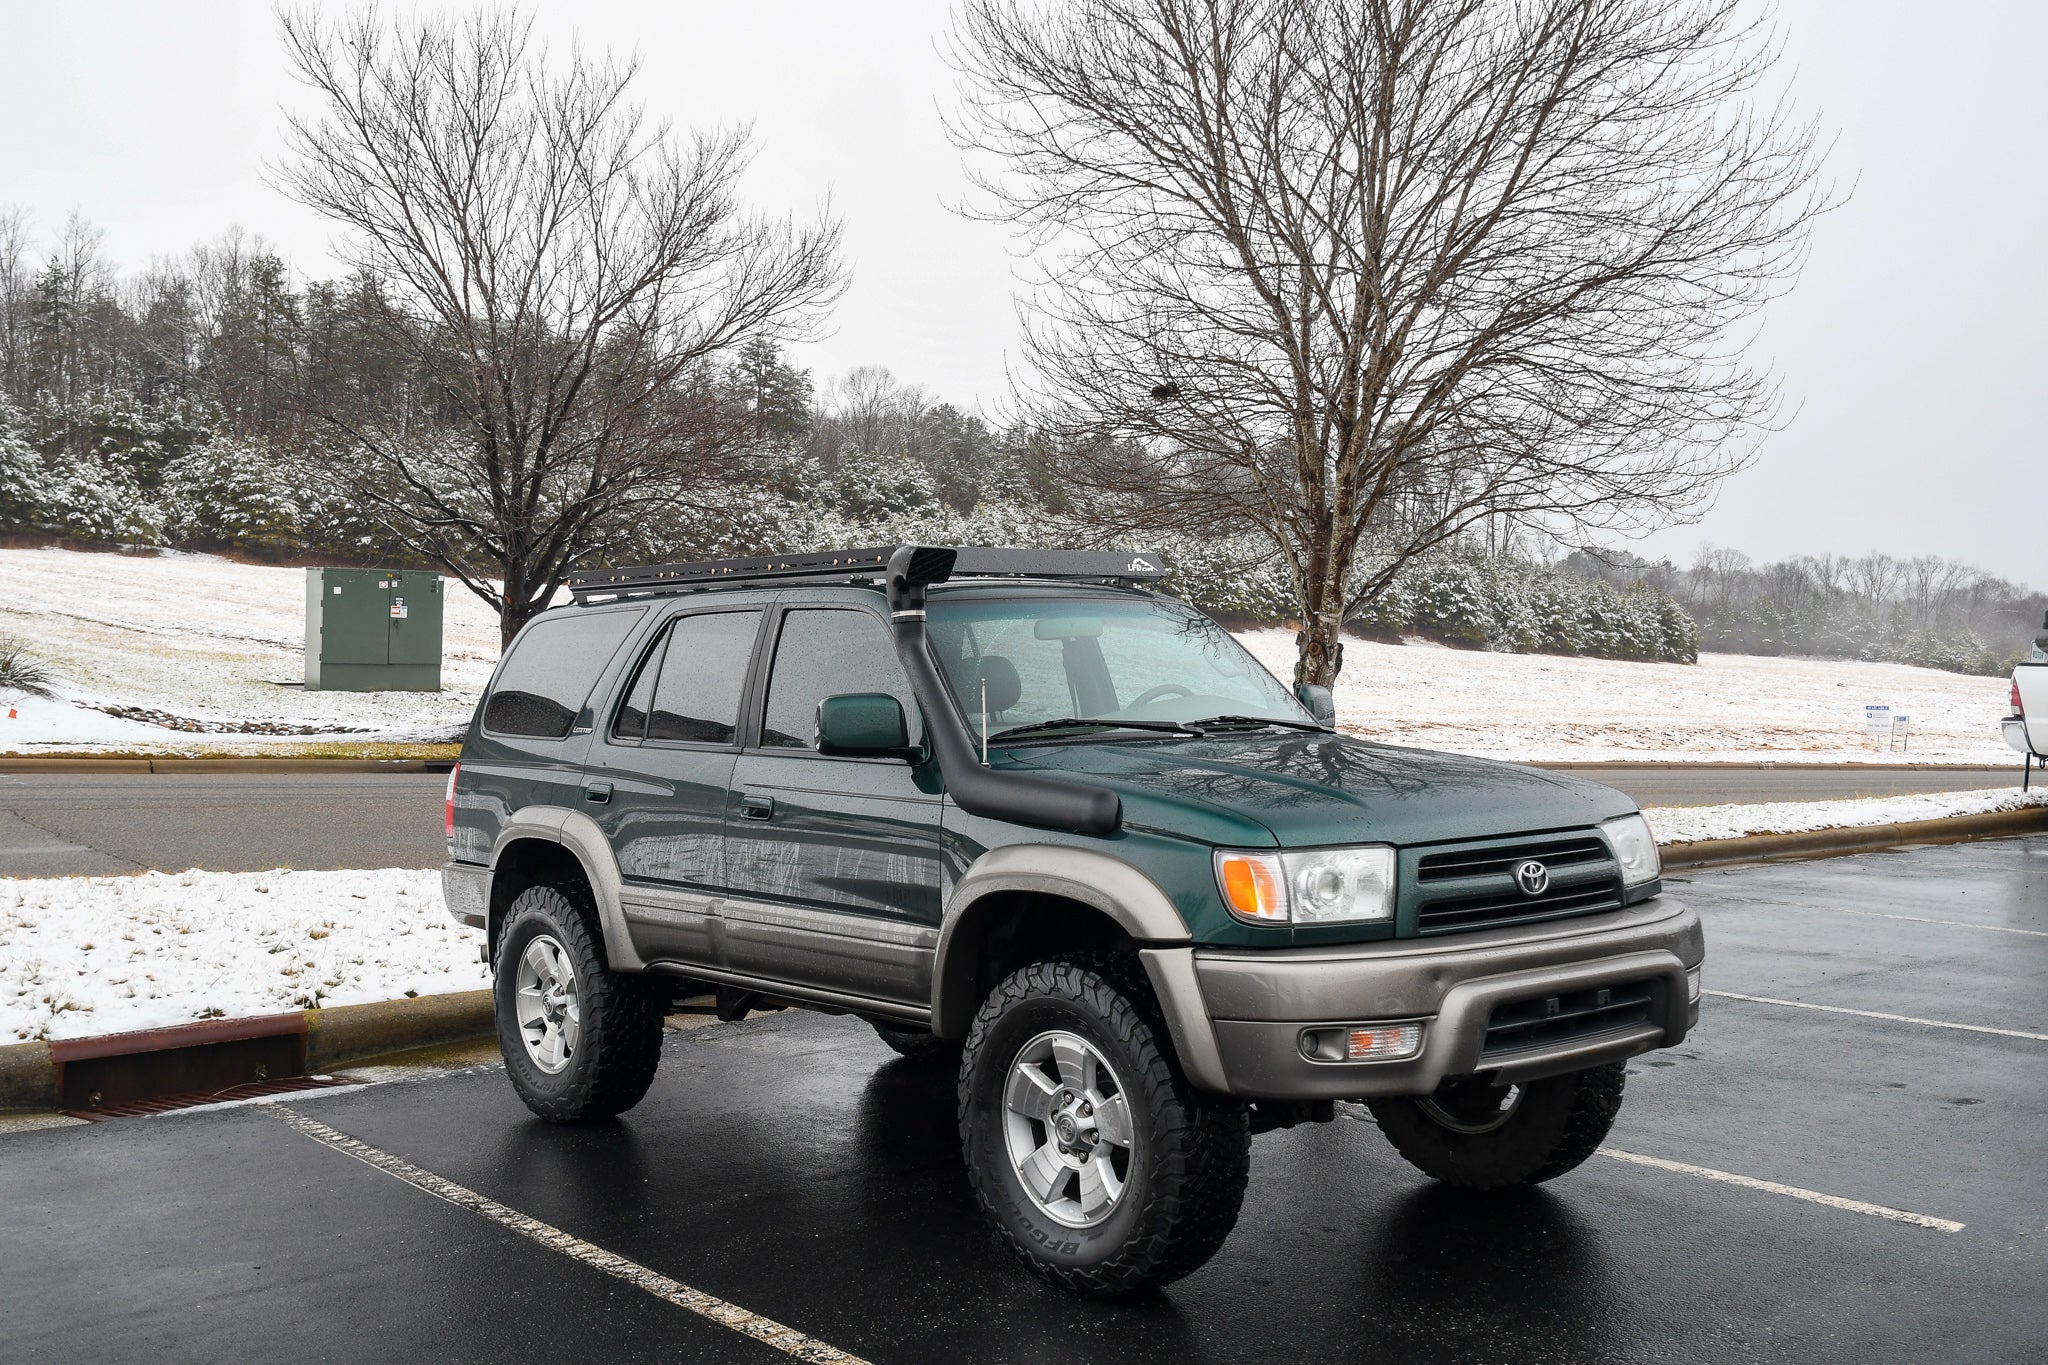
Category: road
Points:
column 789, row 1166
column 58, row 825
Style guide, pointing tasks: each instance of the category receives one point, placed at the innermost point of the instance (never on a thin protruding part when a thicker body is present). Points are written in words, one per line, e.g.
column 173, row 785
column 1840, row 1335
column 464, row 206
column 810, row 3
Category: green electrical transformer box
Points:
column 373, row 630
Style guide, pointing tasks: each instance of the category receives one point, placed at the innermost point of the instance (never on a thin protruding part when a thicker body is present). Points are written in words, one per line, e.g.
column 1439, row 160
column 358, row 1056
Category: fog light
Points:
column 1380, row 1041
column 1361, row 1042
column 1692, row 984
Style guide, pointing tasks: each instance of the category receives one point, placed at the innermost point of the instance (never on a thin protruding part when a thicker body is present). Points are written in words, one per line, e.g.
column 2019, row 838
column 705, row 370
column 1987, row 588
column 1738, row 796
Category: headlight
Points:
column 1635, row 848
column 1314, row 886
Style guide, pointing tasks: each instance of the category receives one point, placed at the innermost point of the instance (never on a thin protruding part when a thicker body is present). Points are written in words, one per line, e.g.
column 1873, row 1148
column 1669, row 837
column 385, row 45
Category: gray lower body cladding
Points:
column 1480, row 999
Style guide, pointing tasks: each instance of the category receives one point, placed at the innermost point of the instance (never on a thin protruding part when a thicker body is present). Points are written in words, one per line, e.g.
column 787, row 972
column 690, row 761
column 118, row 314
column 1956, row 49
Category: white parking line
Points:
column 1907, row 919
column 785, row 1339
column 1750, row 1182
column 1922, row 919
column 1875, row 1014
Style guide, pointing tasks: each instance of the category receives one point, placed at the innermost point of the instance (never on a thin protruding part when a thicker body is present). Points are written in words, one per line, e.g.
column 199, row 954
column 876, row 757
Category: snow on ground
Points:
column 207, row 640
column 1690, row 824
column 89, row 955
column 210, row 640
column 1728, row 708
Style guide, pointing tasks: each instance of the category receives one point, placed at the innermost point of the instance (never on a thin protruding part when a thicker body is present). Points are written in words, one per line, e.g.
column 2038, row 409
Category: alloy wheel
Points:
column 1067, row 1127
column 550, row 1012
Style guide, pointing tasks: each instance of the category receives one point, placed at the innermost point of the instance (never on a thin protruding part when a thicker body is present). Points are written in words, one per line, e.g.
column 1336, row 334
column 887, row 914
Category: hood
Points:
column 1311, row 789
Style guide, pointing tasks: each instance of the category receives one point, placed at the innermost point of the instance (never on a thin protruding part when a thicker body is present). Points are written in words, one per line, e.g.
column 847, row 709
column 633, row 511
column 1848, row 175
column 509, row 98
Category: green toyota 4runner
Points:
column 1029, row 818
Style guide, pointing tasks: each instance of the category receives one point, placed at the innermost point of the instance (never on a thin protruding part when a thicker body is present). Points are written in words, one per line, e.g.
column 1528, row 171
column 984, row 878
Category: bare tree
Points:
column 1362, row 273
column 14, row 292
column 558, row 271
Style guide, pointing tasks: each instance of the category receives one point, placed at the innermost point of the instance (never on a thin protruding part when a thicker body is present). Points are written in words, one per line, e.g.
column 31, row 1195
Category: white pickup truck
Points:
column 2026, row 729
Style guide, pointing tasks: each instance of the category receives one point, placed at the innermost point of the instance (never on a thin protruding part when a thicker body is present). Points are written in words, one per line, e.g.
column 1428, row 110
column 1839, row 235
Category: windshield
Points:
column 1044, row 659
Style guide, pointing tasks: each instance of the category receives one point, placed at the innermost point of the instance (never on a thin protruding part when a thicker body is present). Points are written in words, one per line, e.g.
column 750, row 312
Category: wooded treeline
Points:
column 166, row 408
column 1927, row 610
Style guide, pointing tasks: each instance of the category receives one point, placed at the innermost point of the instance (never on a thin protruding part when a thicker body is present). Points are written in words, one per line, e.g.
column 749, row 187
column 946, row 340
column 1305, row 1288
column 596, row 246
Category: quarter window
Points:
column 823, row 653
column 542, row 685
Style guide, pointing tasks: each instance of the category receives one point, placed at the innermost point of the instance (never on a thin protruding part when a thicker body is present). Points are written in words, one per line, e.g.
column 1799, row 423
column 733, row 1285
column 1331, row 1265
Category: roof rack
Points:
column 1100, row 566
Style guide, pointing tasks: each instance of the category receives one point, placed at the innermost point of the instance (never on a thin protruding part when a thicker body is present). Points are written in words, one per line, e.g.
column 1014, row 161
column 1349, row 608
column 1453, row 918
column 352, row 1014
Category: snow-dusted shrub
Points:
column 23, row 480
column 1509, row 605
column 1448, row 601
column 21, row 673
column 232, row 491
column 98, row 498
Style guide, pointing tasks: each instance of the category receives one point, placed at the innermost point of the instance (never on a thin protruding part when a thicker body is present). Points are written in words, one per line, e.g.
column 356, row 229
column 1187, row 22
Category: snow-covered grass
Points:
column 210, row 640
column 1691, row 824
column 91, row 955
column 206, row 640
column 1729, row 708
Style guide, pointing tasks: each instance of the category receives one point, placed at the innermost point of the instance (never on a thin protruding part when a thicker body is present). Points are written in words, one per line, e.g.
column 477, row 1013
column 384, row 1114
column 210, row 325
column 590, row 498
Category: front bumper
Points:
column 1241, row 1033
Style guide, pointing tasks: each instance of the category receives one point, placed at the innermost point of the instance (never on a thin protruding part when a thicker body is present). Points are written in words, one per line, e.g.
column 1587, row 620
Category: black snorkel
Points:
column 1022, row 798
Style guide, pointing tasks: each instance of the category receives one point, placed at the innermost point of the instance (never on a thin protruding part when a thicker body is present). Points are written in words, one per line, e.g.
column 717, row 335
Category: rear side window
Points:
column 542, row 685
column 688, row 689
column 823, row 653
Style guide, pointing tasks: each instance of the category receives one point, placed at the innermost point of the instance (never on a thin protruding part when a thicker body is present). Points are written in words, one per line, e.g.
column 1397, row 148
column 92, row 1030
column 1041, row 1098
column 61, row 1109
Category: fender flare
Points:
column 585, row 841
column 1107, row 884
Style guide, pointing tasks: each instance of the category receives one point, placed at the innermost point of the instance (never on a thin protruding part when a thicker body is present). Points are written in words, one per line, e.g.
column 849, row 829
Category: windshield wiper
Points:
column 1241, row 721
column 1164, row 727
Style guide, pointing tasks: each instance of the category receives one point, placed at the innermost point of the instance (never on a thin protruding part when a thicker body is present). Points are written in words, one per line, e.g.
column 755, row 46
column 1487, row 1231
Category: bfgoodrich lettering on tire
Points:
column 1094, row 1159
column 580, row 1042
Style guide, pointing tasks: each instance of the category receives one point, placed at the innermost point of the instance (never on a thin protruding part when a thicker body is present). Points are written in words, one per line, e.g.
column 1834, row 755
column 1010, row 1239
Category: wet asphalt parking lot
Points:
column 1889, row 1115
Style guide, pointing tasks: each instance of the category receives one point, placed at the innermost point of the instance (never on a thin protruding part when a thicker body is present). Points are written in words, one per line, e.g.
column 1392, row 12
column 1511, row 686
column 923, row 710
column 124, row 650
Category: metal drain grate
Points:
column 193, row 1099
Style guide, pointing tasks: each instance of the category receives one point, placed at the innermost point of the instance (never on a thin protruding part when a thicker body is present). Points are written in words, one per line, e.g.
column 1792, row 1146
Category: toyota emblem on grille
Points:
column 1533, row 877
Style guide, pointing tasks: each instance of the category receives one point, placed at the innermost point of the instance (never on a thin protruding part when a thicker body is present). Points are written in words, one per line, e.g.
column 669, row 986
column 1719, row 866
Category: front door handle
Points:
column 599, row 792
column 757, row 807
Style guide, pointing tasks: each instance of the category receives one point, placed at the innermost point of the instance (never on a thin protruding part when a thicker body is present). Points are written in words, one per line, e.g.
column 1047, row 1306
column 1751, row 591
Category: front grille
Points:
column 1544, row 1021
column 1474, row 886
column 1501, row 862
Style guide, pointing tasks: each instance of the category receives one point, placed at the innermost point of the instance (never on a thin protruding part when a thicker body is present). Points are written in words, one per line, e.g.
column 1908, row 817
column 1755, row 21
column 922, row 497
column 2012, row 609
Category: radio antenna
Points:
column 984, row 720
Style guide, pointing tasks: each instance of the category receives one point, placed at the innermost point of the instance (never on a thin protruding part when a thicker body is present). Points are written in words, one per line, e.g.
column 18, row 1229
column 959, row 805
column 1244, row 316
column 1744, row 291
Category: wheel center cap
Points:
column 1066, row 1129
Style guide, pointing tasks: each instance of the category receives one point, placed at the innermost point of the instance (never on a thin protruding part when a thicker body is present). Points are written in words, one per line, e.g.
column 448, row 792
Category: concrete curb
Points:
column 225, row 765
column 1828, row 843
column 30, row 1072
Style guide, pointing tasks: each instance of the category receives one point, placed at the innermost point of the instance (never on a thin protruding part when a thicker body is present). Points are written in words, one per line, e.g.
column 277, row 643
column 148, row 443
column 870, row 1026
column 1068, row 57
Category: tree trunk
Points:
column 1319, row 644
column 518, row 606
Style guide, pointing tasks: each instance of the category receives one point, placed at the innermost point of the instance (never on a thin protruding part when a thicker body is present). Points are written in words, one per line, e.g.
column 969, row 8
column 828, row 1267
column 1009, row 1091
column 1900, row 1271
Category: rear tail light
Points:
column 448, row 809
column 2017, row 709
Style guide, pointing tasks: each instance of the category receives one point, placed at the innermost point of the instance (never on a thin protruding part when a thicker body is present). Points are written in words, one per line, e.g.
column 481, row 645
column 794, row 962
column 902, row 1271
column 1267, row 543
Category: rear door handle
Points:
column 600, row 792
column 757, row 807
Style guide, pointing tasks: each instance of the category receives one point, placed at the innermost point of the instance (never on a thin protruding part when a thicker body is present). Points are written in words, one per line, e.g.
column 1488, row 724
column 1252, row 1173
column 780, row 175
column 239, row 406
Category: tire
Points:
column 917, row 1044
column 1187, row 1156
column 606, row 1027
column 1459, row 1136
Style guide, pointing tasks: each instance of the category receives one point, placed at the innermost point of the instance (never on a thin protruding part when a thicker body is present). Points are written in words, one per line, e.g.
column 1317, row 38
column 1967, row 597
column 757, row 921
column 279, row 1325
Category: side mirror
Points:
column 1319, row 703
column 863, row 725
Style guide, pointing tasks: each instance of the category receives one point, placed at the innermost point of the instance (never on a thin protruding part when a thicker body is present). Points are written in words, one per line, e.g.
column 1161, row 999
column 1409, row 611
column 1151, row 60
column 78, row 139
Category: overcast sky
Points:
column 1913, row 351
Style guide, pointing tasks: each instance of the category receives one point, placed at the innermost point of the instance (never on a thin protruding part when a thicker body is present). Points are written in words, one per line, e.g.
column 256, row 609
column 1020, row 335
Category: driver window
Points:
column 822, row 653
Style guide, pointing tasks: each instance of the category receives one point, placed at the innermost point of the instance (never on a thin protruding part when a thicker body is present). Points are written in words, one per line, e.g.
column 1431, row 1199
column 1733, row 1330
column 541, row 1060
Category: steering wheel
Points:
column 1164, row 690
